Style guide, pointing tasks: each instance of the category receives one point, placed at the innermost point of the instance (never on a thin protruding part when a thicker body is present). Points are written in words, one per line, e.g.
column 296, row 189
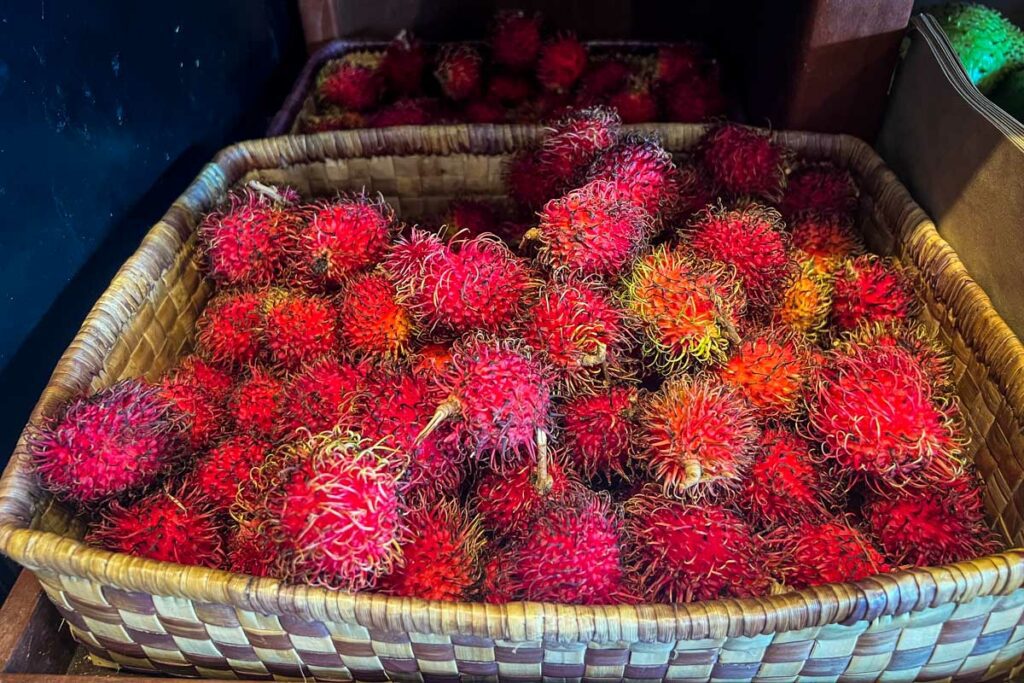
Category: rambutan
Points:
column 470, row 216
column 341, row 238
column 324, row 394
column 934, row 361
column 677, row 61
column 805, row 305
column 825, row 239
column 574, row 141
column 515, row 39
column 250, row 551
column 785, row 484
column 496, row 587
column 822, row 189
column 459, row 71
column 431, row 360
column 116, row 442
column 577, row 330
column 170, row 527
column 933, row 526
column 771, row 370
column 508, row 89
column 406, row 112
column 372, row 318
column 351, row 86
column 298, row 328
column 219, row 472
column 571, row 555
column 745, row 161
column 681, row 552
column 217, row 382
column 525, row 182
column 593, row 230
column 200, row 411
column 230, row 329
column 871, row 289
column 600, row 431
column 602, row 79
column 508, row 501
column 634, row 105
column 643, row 172
column 692, row 98
column 408, row 255
column 810, row 554
column 875, row 413
column 257, row 404
column 484, row 111
column 246, row 242
column 752, row 240
column 687, row 307
column 561, row 62
column 441, row 553
column 699, row 437
column 404, row 64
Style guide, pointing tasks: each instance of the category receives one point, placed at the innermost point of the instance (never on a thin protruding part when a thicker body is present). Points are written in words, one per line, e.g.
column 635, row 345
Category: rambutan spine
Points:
column 373, row 319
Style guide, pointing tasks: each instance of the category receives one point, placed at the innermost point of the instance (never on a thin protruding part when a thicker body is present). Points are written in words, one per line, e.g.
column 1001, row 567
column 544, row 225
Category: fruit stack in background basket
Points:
column 519, row 75
column 672, row 380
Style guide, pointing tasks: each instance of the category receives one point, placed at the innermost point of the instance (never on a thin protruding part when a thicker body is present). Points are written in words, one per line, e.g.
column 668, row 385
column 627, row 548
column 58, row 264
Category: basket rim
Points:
column 888, row 594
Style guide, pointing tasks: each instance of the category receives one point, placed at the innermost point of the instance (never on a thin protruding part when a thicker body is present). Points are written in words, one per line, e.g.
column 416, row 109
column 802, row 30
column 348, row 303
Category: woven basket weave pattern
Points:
column 962, row 622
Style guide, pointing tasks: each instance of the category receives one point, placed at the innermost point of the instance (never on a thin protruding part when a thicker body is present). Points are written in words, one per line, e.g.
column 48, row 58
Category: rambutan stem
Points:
column 450, row 407
column 599, row 357
column 529, row 236
column 268, row 191
column 542, row 480
column 692, row 471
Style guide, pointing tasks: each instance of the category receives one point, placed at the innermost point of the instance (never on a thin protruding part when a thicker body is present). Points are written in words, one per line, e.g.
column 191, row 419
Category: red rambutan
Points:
column 250, row 551
column 870, row 289
column 407, row 112
column 751, row 239
column 681, row 552
column 441, row 554
column 820, row 188
column 602, row 79
column 230, row 329
column 372, row 318
column 298, row 328
column 459, row 71
column 811, row 554
column 200, row 411
column 484, row 111
column 343, row 237
column 525, row 182
column 693, row 98
column 592, row 230
column 508, row 501
column 515, row 39
column 323, row 395
column 218, row 473
column 575, row 140
column 935, row 362
column 496, row 587
column 826, row 239
column 699, row 437
column 745, row 161
column 470, row 216
column 771, row 370
column 635, row 105
column 561, row 62
column 431, row 360
column 403, row 65
column 170, row 527
column 194, row 370
column 117, row 441
column 643, row 172
column 508, row 89
column 351, row 86
column 257, row 404
column 408, row 255
column 600, row 431
column 804, row 306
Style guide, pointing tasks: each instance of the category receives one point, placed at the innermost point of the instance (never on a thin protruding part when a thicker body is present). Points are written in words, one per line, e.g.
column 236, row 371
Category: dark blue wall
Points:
column 108, row 108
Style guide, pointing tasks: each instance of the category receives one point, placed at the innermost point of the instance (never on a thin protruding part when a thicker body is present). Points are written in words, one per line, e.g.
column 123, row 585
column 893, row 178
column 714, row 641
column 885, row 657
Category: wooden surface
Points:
column 31, row 640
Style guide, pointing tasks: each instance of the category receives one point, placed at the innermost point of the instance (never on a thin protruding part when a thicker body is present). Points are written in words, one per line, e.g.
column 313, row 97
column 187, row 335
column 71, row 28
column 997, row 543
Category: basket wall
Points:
column 962, row 622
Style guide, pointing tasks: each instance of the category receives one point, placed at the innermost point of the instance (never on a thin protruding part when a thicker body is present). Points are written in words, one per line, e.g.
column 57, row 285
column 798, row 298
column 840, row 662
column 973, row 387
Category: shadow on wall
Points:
column 107, row 111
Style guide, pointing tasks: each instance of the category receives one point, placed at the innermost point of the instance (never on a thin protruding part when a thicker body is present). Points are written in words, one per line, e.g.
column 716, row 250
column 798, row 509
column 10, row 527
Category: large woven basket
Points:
column 960, row 622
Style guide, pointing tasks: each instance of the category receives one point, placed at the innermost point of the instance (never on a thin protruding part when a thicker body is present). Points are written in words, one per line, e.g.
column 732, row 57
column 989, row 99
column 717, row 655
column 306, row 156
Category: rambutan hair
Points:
column 298, row 328
column 116, row 442
column 230, row 329
column 216, row 381
column 220, row 471
column 600, row 431
column 515, row 39
column 561, row 62
column 201, row 413
column 470, row 217
column 574, row 141
column 699, row 437
column 679, row 552
column 935, row 361
column 430, row 360
column 635, row 105
column 167, row 526
column 752, row 240
column 372, row 318
column 686, row 307
column 252, row 552
column 871, row 289
column 403, row 64
column 351, row 85
column 459, row 71
column 441, row 553
column 805, row 305
column 771, row 368
column 508, row 501
column 257, row 404
column 324, row 394
column 525, row 181
column 819, row 188
column 642, row 171
column 826, row 239
column 810, row 554
column 745, row 161
column 496, row 586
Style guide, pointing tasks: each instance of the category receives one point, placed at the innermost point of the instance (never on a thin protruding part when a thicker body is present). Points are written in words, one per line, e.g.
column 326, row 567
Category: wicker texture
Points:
column 961, row 622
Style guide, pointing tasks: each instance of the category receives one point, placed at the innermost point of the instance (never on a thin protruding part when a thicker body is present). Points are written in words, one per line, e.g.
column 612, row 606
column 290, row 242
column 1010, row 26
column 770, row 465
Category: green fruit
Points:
column 988, row 44
column 1009, row 94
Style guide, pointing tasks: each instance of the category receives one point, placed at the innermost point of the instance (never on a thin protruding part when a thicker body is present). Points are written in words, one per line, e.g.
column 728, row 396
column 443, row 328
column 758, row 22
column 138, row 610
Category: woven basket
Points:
column 960, row 622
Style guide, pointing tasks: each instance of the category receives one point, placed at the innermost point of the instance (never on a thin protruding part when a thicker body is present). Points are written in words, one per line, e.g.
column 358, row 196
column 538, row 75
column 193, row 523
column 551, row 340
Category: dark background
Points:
column 108, row 109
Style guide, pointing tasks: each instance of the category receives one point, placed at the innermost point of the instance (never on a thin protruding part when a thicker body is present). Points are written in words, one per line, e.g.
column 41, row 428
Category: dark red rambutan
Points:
column 577, row 330
column 250, row 551
column 804, row 306
column 600, row 431
column 592, row 230
column 217, row 382
column 574, row 141
column 373, row 319
column 785, row 485
column 404, row 64
column 507, row 501
column 351, row 86
column 771, row 370
column 170, row 527
column 875, row 413
column 692, row 98
column 571, row 555
column 681, row 552
column 339, row 517
column 219, row 472
column 117, row 441
column 871, row 289
column 810, row 554
column 744, row 161
column 752, row 240
column 246, row 242
column 635, row 105
column 459, row 71
column 230, row 329
column 407, row 112
column 820, row 188
column 441, row 553
column 298, row 328
column 470, row 217
column 699, row 437
column 688, row 308
column 496, row 587
column 509, row 89
column 484, row 111
column 200, row 411
column 515, row 39
column 341, row 238
column 643, row 172
column 933, row 526
column 525, row 182
column 935, row 362
column 257, row 404
column 826, row 239
column 408, row 255
column 678, row 61
column 561, row 62
column 602, row 79
column 323, row 395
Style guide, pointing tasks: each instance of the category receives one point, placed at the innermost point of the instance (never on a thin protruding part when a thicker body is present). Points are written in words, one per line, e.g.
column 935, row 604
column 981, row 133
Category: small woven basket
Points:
column 959, row 622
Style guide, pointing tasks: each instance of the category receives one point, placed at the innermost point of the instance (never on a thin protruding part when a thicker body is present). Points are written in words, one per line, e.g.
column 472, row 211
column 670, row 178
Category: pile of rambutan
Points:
column 651, row 393
column 519, row 74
